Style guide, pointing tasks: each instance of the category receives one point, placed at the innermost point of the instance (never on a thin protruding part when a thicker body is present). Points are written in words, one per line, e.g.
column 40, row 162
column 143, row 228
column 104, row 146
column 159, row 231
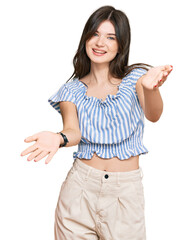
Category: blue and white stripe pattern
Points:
column 111, row 128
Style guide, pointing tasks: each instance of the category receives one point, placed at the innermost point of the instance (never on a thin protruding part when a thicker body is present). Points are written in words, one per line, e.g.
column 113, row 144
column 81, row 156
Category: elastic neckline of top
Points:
column 109, row 96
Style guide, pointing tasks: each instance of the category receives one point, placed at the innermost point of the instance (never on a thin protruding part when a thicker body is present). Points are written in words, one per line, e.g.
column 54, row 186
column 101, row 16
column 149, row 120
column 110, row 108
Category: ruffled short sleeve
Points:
column 63, row 94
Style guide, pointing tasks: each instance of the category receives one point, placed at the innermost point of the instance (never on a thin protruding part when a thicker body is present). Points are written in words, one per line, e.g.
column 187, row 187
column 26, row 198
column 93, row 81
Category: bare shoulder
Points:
column 84, row 79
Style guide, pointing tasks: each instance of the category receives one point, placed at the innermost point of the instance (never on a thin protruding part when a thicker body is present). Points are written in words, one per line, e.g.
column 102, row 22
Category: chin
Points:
column 99, row 60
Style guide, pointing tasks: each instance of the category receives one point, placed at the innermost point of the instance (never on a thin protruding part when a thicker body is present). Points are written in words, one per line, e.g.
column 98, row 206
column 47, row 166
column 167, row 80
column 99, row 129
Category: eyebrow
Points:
column 108, row 33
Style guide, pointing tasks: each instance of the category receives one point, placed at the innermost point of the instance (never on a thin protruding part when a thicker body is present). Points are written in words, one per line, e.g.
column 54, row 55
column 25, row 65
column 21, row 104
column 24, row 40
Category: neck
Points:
column 99, row 74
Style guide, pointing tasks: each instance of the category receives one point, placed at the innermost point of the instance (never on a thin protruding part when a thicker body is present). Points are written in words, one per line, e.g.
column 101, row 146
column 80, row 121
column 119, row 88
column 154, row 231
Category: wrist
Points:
column 63, row 139
column 60, row 138
column 150, row 89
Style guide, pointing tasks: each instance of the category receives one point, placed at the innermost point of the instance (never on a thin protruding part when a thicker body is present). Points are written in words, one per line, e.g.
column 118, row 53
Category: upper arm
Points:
column 69, row 115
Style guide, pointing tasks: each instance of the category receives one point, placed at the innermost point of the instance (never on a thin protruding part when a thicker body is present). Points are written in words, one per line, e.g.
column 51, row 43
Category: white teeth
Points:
column 98, row 51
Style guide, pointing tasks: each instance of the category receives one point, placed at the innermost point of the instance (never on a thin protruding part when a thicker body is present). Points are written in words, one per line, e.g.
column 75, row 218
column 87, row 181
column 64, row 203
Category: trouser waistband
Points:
column 94, row 174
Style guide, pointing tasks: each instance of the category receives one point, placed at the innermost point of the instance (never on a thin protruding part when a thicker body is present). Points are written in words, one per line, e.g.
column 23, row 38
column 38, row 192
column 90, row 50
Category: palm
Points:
column 47, row 143
column 156, row 76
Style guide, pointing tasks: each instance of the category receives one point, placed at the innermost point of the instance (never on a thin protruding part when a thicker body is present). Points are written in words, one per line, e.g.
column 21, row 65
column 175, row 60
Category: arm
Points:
column 48, row 143
column 147, row 88
column 70, row 124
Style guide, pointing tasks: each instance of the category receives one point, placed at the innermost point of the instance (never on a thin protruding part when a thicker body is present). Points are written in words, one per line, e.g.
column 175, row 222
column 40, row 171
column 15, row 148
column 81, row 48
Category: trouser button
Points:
column 106, row 176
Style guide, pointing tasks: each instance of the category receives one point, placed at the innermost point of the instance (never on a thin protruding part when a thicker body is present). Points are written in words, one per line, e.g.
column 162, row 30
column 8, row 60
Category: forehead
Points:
column 106, row 27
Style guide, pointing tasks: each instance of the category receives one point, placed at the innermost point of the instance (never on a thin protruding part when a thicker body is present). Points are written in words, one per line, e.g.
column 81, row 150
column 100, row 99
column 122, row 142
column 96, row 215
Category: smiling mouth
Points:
column 98, row 51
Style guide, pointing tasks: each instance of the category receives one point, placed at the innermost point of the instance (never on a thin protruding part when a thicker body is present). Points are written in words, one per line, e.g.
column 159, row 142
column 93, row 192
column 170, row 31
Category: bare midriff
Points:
column 112, row 164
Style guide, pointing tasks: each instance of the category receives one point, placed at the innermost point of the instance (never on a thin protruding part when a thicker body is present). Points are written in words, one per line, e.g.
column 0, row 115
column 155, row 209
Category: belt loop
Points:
column 118, row 183
column 88, row 172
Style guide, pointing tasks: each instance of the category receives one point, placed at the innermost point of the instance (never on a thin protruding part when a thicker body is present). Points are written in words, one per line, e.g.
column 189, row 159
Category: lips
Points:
column 98, row 51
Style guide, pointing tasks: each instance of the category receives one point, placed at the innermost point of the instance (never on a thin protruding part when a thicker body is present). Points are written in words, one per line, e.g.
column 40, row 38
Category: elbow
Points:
column 153, row 119
column 78, row 136
column 154, row 116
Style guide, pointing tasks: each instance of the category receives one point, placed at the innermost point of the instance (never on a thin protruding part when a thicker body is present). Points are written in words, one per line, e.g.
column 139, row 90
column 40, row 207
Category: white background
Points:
column 38, row 41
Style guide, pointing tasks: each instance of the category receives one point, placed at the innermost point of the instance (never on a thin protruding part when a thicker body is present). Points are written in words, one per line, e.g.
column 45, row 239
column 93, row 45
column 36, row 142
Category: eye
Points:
column 95, row 34
column 111, row 38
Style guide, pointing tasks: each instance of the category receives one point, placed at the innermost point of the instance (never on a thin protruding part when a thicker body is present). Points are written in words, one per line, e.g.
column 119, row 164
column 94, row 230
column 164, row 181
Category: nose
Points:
column 100, row 42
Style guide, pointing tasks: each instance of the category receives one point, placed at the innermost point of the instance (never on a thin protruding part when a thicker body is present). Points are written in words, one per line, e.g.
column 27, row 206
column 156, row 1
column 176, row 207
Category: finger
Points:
column 48, row 159
column 34, row 154
column 31, row 138
column 160, row 68
column 165, row 74
column 158, row 80
column 41, row 155
column 168, row 68
column 160, row 83
column 29, row 149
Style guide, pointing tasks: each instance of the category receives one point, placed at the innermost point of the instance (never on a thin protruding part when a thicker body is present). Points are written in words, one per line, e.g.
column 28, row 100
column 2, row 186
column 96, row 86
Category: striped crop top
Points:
column 111, row 128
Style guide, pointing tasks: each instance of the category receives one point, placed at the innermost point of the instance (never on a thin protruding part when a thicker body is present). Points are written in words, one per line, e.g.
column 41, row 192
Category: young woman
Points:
column 103, row 110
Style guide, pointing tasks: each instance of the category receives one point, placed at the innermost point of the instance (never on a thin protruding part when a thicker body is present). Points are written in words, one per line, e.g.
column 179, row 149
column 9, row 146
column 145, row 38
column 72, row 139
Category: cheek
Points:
column 87, row 48
column 114, row 48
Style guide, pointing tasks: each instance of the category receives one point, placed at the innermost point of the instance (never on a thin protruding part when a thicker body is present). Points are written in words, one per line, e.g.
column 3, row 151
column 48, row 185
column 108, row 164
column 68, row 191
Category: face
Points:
column 102, row 47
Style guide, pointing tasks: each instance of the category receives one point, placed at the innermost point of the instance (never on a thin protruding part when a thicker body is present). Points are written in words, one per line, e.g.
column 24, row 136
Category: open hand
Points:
column 156, row 76
column 47, row 143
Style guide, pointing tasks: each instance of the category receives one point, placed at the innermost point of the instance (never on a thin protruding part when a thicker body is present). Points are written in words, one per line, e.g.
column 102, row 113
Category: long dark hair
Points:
column 119, row 65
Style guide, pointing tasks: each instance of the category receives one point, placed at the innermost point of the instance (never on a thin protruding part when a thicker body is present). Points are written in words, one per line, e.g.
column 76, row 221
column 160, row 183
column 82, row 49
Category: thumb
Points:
column 31, row 138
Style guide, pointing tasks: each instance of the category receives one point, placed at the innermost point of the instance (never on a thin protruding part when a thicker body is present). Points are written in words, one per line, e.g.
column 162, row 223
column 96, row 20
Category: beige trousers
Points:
column 95, row 204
